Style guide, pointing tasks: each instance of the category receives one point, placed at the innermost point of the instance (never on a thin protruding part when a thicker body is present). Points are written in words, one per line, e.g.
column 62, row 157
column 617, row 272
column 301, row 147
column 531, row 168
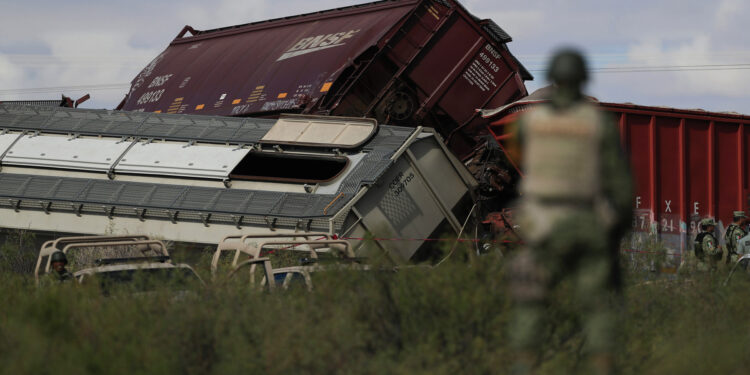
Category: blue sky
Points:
column 699, row 49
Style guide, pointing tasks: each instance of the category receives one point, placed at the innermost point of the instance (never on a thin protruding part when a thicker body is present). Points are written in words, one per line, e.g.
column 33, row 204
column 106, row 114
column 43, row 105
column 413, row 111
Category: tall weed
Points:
column 445, row 320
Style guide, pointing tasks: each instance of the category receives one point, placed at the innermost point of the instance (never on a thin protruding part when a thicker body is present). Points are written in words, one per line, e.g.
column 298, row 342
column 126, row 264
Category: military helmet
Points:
column 59, row 256
column 708, row 222
column 740, row 214
column 567, row 67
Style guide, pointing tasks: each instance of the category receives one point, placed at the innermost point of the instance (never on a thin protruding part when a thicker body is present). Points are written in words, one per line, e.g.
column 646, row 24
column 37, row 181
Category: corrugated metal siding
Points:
column 404, row 62
column 251, row 65
column 687, row 165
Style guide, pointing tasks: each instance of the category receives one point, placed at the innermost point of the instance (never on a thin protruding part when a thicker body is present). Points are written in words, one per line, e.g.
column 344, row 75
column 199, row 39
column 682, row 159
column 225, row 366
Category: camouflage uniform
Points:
column 60, row 277
column 55, row 277
column 707, row 249
column 576, row 204
column 732, row 237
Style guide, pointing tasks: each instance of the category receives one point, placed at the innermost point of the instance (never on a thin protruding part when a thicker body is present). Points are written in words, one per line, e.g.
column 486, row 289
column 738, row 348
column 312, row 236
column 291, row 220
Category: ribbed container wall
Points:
column 405, row 62
column 687, row 165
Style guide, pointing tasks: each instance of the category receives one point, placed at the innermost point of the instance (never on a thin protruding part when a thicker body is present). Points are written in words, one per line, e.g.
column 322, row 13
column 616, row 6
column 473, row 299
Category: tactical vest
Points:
column 728, row 235
column 562, row 153
column 698, row 244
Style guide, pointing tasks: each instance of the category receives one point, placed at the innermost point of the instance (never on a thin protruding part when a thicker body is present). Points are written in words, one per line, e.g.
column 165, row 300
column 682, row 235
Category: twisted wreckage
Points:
column 180, row 159
column 201, row 178
column 167, row 164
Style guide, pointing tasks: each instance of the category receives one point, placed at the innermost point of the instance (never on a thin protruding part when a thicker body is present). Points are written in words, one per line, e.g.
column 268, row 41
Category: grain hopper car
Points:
column 404, row 62
column 200, row 178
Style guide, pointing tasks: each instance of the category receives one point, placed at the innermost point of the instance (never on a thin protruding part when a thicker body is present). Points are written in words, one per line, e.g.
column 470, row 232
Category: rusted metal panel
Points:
column 687, row 165
column 402, row 62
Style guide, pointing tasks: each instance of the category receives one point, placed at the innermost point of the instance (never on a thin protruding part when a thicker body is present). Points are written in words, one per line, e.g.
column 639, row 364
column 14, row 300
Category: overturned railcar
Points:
column 403, row 62
column 199, row 178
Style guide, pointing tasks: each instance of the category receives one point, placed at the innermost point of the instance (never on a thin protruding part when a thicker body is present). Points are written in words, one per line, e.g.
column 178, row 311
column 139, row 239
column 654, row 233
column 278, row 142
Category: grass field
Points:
column 447, row 320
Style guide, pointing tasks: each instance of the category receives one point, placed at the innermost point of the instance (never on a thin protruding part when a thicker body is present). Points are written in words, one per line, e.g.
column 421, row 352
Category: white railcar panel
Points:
column 6, row 140
column 52, row 151
column 180, row 159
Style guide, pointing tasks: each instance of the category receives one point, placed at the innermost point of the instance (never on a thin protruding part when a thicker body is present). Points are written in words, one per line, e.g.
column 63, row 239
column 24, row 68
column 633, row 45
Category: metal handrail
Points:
column 241, row 247
column 49, row 247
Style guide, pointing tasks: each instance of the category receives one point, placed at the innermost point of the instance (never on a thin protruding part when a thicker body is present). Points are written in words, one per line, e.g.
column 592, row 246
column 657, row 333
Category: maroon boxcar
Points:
column 687, row 164
column 427, row 62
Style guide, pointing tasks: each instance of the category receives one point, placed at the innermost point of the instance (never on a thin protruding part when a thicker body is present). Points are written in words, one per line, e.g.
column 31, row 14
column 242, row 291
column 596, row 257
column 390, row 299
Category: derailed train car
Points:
column 199, row 178
column 687, row 164
column 405, row 62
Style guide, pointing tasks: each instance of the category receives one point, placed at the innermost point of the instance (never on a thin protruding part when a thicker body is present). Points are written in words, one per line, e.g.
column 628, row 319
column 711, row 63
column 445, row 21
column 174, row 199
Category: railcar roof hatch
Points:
column 54, row 151
column 6, row 140
column 319, row 131
column 174, row 159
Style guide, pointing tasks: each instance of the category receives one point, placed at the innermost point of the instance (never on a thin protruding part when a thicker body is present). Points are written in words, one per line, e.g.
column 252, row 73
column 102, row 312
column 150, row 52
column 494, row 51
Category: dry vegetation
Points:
column 447, row 320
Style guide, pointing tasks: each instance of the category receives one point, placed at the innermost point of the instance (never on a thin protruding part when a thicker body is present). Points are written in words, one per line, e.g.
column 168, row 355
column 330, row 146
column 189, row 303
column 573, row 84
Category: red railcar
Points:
column 687, row 164
column 427, row 62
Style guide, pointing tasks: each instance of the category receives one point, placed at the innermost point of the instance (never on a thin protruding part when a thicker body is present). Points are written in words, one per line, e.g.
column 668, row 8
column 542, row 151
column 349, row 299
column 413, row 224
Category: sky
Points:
column 675, row 53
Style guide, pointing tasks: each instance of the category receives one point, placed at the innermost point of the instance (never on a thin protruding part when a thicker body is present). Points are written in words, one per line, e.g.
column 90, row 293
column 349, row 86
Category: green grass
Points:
column 448, row 320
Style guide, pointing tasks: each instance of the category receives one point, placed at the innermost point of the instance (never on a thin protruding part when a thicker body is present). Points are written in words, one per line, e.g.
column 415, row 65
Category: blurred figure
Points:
column 733, row 235
column 575, row 206
column 707, row 249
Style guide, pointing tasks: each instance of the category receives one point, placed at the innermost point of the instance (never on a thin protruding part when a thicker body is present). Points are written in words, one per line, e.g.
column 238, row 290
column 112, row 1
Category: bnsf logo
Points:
column 317, row 43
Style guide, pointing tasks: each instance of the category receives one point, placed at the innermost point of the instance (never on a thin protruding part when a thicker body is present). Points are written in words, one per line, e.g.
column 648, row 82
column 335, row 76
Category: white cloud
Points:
column 77, row 58
column 709, row 55
column 10, row 74
column 519, row 23
column 730, row 14
column 110, row 42
column 87, row 44
column 647, row 34
column 224, row 13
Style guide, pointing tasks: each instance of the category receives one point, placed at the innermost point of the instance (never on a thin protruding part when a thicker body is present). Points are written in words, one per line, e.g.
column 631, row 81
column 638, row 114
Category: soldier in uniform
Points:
column 733, row 235
column 707, row 249
column 576, row 203
column 59, row 274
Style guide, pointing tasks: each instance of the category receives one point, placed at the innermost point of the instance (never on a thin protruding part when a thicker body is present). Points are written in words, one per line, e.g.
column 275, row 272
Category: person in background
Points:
column 707, row 249
column 59, row 273
column 733, row 235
